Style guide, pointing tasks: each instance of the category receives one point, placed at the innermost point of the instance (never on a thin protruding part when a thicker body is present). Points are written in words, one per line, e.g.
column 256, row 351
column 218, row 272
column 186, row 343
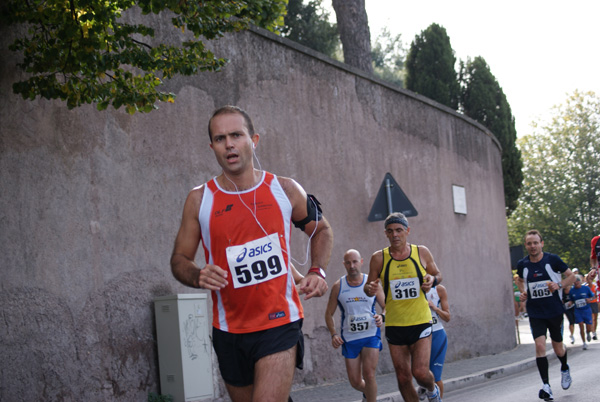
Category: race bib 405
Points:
column 539, row 289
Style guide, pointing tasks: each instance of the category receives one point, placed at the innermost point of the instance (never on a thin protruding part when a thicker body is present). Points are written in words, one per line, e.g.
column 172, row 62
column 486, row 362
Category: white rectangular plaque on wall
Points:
column 460, row 199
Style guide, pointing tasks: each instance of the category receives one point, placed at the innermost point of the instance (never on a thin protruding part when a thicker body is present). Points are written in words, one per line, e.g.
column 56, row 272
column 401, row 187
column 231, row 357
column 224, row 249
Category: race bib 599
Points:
column 255, row 262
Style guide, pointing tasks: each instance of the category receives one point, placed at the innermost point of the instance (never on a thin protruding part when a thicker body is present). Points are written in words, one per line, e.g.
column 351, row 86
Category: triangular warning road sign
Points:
column 390, row 198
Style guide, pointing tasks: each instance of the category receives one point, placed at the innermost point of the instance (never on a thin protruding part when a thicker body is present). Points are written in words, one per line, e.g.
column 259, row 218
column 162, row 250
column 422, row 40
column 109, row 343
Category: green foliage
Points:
column 388, row 58
column 81, row 51
column 154, row 397
column 561, row 190
column 430, row 67
column 483, row 100
column 308, row 25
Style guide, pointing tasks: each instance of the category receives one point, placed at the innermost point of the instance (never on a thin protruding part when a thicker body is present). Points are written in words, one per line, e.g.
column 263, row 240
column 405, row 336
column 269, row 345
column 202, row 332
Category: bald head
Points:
column 353, row 263
column 352, row 252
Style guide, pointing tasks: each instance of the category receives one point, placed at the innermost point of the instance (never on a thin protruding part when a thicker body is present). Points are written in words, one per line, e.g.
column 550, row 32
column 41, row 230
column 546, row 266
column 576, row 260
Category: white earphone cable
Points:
column 260, row 225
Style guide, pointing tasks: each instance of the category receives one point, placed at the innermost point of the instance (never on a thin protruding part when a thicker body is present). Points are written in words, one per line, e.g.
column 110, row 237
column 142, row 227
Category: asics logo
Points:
column 254, row 251
column 242, row 255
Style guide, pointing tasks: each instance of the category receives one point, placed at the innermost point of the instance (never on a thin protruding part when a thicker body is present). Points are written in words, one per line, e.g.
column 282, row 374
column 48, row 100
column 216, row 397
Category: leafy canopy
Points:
column 308, row 24
column 387, row 54
column 430, row 67
column 561, row 189
column 482, row 99
column 82, row 51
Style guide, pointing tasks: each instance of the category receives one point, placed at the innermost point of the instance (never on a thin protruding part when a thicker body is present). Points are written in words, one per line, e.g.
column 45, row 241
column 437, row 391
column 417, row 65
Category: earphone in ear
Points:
column 253, row 146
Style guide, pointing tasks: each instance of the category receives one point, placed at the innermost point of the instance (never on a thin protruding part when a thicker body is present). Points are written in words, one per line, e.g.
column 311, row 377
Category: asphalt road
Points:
column 524, row 387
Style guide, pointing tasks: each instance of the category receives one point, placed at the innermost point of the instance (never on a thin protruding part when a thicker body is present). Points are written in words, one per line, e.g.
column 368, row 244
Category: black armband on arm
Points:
column 313, row 206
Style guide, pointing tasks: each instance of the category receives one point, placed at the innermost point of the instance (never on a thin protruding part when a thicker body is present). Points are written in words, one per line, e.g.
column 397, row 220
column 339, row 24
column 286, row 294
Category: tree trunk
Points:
column 353, row 26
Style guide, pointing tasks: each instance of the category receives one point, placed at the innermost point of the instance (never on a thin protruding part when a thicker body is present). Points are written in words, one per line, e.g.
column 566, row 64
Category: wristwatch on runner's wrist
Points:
column 319, row 271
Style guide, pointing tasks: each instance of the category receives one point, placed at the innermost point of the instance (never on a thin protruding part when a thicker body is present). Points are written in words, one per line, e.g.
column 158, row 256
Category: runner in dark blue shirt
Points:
column 540, row 282
column 541, row 302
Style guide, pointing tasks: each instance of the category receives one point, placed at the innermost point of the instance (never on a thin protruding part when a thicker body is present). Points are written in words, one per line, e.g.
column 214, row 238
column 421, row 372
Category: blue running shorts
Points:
column 352, row 349
column 583, row 315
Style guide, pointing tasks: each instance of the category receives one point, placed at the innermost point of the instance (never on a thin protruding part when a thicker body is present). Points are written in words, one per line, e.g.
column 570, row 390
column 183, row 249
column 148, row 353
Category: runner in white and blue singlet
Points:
column 359, row 336
column 440, row 312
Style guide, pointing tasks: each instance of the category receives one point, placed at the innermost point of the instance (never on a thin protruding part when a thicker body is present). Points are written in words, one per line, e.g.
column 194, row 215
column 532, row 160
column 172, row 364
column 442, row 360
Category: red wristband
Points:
column 319, row 271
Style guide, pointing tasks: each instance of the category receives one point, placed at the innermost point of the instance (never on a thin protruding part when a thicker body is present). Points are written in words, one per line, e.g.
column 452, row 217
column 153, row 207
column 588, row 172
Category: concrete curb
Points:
column 480, row 377
column 491, row 374
column 499, row 372
column 472, row 379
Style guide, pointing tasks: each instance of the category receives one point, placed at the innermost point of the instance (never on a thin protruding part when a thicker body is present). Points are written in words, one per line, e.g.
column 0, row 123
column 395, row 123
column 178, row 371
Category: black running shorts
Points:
column 539, row 326
column 407, row 335
column 237, row 353
column 570, row 313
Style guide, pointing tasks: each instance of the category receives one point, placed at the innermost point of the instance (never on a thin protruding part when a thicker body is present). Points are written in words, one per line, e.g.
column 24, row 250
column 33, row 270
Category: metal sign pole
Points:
column 388, row 192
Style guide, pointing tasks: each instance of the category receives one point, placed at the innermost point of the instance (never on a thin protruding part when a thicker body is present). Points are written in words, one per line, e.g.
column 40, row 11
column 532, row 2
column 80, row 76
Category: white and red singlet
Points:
column 248, row 234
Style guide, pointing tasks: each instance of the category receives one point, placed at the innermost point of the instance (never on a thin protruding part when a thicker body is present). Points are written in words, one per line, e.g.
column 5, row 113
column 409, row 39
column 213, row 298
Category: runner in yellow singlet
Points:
column 402, row 281
column 406, row 272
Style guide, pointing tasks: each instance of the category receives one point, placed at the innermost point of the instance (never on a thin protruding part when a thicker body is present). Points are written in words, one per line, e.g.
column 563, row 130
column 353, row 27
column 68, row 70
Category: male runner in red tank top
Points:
column 243, row 220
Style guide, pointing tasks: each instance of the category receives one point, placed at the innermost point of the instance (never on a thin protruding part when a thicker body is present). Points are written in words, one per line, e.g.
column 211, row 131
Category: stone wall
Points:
column 91, row 202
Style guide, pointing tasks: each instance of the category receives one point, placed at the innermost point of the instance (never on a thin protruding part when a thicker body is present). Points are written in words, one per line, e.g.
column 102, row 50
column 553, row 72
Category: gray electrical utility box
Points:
column 184, row 347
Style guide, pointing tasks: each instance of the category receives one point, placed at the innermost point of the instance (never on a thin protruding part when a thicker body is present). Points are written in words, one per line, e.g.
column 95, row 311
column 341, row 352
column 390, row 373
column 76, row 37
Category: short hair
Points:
column 229, row 109
column 533, row 232
column 396, row 217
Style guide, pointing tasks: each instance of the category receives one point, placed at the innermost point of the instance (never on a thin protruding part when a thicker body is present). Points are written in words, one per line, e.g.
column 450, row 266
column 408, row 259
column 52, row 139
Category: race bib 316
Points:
column 404, row 289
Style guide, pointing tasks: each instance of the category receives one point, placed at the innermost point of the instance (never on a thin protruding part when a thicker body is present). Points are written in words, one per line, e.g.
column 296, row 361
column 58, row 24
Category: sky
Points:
column 539, row 51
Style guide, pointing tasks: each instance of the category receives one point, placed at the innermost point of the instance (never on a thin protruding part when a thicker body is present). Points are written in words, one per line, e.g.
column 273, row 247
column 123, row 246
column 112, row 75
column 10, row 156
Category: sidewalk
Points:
column 457, row 375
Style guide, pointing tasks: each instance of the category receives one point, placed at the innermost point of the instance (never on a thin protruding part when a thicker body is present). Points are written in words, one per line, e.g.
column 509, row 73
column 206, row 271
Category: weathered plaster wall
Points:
column 90, row 203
